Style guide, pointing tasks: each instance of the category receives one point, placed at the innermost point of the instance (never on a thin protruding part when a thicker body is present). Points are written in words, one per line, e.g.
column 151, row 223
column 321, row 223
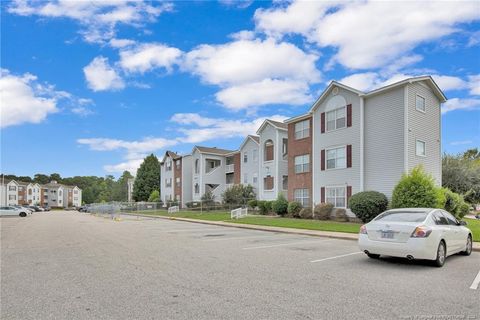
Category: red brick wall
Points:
column 177, row 173
column 237, row 174
column 297, row 148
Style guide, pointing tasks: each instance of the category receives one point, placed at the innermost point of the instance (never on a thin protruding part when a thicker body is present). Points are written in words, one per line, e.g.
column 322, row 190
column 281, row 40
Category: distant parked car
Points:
column 12, row 211
column 46, row 208
column 35, row 208
column 82, row 209
column 430, row 234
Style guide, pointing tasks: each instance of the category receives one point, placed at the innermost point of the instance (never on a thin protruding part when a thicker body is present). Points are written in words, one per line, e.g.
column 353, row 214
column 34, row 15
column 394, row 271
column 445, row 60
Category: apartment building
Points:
column 351, row 141
column 175, row 178
column 273, row 166
column 52, row 194
column 249, row 162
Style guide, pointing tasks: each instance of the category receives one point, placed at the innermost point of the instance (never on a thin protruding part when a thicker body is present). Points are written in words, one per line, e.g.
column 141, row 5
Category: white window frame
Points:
column 255, row 178
column 424, row 148
column 245, row 157
column 177, row 181
column 424, row 103
column 335, row 197
column 245, row 178
column 302, row 129
column 344, row 147
column 335, row 111
column 303, row 164
column 283, row 182
column 302, row 195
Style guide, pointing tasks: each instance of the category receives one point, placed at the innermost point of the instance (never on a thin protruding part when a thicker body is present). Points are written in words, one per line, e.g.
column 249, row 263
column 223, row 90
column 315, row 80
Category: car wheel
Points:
column 22, row 214
column 373, row 256
column 468, row 248
column 441, row 255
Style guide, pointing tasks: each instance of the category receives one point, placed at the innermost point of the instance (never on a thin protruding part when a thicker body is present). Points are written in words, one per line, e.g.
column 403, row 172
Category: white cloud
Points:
column 120, row 43
column 101, row 76
column 368, row 34
column 461, row 143
column 251, row 73
column 82, row 111
column 192, row 118
column 148, row 56
column 267, row 91
column 142, row 146
column 98, row 18
column 461, row 104
column 129, row 165
column 26, row 100
column 474, row 84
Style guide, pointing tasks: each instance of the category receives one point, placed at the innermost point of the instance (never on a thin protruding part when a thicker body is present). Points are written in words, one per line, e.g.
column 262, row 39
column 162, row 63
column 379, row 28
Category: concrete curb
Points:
column 305, row 232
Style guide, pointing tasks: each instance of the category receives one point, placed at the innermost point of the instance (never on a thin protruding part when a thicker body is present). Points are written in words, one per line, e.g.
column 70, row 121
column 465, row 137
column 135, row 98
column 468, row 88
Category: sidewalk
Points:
column 315, row 233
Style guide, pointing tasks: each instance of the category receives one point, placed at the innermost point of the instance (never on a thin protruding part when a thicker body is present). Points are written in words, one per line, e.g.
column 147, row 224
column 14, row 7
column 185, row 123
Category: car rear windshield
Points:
column 403, row 216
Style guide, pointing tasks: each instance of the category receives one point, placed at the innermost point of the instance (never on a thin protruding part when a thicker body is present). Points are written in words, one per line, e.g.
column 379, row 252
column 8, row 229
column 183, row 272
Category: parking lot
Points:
column 70, row 265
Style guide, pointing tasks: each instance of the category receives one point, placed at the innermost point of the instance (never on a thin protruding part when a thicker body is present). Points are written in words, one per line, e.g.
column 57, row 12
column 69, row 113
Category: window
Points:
column 285, row 182
column 451, row 220
column 420, row 148
column 302, row 129
column 245, row 157
column 12, row 188
column 177, row 197
column 336, row 119
column 169, row 165
column 268, row 183
column 285, row 148
column 302, row 196
column 268, row 156
column 20, row 188
column 168, row 182
column 75, row 191
column 12, row 197
column 212, row 164
column 336, row 158
column 420, row 103
column 255, row 178
column 336, row 196
column 178, row 163
column 245, row 178
column 177, row 181
column 197, row 188
column 255, row 155
column 197, row 168
column 302, row 163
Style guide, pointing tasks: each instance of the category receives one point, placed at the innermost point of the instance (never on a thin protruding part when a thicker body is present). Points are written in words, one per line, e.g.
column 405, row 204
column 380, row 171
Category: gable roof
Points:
column 298, row 118
column 170, row 154
column 275, row 124
column 255, row 139
column 330, row 86
column 213, row 150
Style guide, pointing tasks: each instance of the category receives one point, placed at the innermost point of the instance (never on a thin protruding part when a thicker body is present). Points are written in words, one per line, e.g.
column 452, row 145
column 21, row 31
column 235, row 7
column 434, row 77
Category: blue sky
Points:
column 91, row 87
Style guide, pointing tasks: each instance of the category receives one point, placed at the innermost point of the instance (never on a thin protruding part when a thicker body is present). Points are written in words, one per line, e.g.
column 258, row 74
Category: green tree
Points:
column 154, row 196
column 461, row 174
column 147, row 179
column 55, row 177
column 41, row 178
column 120, row 188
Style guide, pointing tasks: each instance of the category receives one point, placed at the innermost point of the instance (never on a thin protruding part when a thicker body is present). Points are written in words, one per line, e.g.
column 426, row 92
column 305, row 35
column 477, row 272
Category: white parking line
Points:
column 341, row 256
column 284, row 244
column 476, row 282
column 235, row 238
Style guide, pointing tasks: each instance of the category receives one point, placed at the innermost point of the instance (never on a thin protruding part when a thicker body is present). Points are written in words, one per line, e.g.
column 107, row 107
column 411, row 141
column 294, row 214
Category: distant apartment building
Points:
column 349, row 141
column 130, row 183
column 53, row 194
column 176, row 177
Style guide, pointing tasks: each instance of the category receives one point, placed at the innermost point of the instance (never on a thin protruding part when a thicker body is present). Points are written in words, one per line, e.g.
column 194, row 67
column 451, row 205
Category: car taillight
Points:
column 363, row 229
column 421, row 232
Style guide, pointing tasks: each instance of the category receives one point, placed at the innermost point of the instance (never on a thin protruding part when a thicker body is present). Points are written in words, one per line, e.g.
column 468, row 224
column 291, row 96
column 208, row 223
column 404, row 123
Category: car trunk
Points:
column 391, row 231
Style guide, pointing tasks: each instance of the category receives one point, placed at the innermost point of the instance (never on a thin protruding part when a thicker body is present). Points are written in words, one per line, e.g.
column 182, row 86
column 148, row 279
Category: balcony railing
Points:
column 229, row 168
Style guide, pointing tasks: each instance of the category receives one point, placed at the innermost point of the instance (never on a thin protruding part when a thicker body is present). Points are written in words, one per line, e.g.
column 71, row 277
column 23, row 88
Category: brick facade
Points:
column 237, row 175
column 177, row 173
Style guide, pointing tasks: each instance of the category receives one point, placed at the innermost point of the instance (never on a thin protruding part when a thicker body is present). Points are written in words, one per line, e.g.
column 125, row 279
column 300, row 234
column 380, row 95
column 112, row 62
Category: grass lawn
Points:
column 474, row 225
column 210, row 216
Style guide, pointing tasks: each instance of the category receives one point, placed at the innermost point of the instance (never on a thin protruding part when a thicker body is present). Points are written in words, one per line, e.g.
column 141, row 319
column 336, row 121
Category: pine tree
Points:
column 147, row 179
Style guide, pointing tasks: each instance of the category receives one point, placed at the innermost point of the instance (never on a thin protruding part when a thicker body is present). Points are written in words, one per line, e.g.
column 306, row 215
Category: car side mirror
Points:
column 462, row 223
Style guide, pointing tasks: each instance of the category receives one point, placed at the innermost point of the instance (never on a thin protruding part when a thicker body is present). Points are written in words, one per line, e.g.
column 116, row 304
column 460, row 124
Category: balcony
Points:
column 229, row 168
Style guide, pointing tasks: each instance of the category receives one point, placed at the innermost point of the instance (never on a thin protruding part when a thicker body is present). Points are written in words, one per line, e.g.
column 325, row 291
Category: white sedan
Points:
column 12, row 211
column 431, row 234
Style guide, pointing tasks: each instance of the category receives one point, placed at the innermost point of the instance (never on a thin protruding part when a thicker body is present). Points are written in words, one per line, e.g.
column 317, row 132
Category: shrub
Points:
column 455, row 204
column 415, row 190
column 341, row 215
column 294, row 208
column 252, row 204
column 368, row 204
column 268, row 206
column 238, row 194
column 280, row 206
column 154, row 196
column 262, row 207
column 305, row 213
column 323, row 211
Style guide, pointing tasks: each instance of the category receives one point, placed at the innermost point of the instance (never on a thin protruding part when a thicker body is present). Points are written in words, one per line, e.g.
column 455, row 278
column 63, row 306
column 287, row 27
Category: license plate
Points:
column 387, row 235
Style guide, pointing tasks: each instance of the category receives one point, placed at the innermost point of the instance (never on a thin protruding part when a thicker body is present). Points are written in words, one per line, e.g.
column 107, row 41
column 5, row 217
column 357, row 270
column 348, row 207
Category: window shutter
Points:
column 322, row 124
column 349, row 194
column 349, row 115
column 323, row 159
column 349, row 156
column 322, row 194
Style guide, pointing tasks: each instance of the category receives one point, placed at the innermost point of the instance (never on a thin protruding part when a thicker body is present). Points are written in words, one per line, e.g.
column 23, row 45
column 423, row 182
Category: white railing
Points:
column 238, row 213
column 173, row 209
column 229, row 168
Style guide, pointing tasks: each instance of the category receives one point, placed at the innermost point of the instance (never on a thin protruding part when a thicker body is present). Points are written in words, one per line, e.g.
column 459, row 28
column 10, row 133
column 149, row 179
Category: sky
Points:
column 92, row 87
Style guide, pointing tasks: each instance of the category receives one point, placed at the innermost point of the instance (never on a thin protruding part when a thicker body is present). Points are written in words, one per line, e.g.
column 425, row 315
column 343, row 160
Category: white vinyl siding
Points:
column 336, row 196
column 245, row 178
column 302, row 163
column 302, row 196
column 302, row 129
column 336, row 158
column 421, row 148
column 336, row 119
